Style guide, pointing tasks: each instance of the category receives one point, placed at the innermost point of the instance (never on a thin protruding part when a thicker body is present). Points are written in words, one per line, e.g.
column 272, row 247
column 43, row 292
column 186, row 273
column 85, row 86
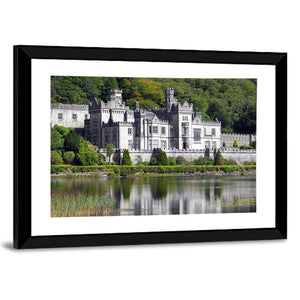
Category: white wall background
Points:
column 246, row 270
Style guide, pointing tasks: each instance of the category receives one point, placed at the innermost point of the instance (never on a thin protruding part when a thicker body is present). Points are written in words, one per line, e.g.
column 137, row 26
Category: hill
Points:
column 231, row 101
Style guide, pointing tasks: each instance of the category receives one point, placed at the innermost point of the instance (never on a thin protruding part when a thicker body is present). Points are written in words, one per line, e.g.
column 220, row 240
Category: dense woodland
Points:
column 231, row 101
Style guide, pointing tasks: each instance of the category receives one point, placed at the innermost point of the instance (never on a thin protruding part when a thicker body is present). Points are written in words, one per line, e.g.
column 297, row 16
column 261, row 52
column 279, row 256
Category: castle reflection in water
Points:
column 170, row 195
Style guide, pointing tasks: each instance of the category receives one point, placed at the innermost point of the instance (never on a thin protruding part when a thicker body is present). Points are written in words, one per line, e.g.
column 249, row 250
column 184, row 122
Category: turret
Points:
column 169, row 96
column 137, row 106
column 116, row 95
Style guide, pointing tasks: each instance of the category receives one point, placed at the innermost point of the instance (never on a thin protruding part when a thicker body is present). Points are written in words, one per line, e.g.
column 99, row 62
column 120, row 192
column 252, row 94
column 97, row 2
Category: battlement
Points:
column 185, row 106
column 69, row 106
column 237, row 134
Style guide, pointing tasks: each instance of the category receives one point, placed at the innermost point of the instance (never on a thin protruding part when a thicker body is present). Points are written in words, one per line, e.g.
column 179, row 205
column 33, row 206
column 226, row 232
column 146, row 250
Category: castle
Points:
column 176, row 128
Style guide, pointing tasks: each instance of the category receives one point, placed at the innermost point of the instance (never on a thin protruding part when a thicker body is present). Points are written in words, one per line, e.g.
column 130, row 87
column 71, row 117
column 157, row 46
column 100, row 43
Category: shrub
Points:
column 180, row 160
column 229, row 162
column 162, row 159
column 244, row 147
column 69, row 157
column 203, row 161
column 86, row 156
column 228, row 169
column 72, row 141
column 249, row 163
column 171, row 161
column 219, row 160
column 56, row 159
column 109, row 150
column 62, row 130
column 102, row 160
column 235, row 143
column 139, row 160
column 126, row 158
column 153, row 161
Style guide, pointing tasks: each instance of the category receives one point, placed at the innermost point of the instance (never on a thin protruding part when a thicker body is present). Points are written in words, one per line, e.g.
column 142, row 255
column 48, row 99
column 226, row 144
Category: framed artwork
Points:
column 120, row 146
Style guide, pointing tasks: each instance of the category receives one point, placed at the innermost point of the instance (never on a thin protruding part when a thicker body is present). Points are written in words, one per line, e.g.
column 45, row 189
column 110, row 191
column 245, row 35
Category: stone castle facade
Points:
column 176, row 128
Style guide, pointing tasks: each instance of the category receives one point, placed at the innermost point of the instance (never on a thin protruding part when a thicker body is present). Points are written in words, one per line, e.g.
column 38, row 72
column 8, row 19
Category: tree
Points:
column 102, row 160
column 57, row 141
column 235, row 143
column 224, row 144
column 72, row 142
column 69, row 157
column 86, row 155
column 180, row 160
column 219, row 160
column 109, row 150
column 153, row 161
column 162, row 159
column 126, row 161
column 171, row 161
column 56, row 158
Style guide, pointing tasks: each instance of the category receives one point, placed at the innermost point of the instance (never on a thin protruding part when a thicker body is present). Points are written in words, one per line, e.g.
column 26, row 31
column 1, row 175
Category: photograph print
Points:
column 152, row 146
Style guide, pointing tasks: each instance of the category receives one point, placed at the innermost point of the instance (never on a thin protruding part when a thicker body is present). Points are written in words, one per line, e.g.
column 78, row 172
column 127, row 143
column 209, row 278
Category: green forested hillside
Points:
column 231, row 101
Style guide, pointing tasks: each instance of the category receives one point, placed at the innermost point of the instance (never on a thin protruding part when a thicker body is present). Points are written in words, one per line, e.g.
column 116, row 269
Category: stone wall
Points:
column 242, row 139
column 69, row 115
column 228, row 153
column 239, row 155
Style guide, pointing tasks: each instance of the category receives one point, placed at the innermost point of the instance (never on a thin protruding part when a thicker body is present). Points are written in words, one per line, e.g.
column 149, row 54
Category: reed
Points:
column 77, row 204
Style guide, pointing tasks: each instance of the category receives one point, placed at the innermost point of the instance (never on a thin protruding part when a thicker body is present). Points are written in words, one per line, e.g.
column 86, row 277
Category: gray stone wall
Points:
column 69, row 115
column 242, row 139
column 238, row 155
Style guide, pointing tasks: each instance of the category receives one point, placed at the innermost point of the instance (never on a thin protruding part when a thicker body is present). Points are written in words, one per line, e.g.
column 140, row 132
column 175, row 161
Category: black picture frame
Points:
column 23, row 56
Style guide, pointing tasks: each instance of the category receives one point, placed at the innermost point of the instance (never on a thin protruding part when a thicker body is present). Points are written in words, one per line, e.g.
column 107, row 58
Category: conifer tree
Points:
column 126, row 161
column 219, row 160
column 235, row 143
column 162, row 159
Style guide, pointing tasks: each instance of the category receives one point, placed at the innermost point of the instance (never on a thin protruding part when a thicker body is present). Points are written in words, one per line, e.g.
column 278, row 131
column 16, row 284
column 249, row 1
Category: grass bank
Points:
column 116, row 170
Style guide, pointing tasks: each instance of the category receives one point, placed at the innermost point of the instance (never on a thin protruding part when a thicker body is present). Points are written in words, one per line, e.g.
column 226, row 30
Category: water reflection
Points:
column 167, row 195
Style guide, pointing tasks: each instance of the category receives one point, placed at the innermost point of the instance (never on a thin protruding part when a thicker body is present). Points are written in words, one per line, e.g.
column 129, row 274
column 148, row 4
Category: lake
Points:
column 170, row 195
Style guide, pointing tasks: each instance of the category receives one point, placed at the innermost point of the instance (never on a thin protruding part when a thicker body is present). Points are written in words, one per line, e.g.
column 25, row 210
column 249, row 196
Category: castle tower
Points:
column 169, row 96
column 116, row 95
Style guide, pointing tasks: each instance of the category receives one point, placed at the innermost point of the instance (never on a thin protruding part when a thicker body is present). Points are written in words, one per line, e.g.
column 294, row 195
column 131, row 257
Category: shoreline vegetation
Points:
column 123, row 171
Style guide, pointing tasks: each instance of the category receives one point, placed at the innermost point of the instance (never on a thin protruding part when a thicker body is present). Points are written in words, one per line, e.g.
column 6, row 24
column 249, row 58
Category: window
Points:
column 207, row 144
column 60, row 116
column 197, row 134
column 155, row 144
column 150, row 129
column 129, row 144
column 86, row 116
column 115, row 136
column 213, row 131
column 164, row 144
column 214, row 144
column 74, row 117
column 130, row 131
column 185, row 118
column 155, row 129
column 171, row 131
column 205, row 131
column 185, row 131
column 163, row 130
